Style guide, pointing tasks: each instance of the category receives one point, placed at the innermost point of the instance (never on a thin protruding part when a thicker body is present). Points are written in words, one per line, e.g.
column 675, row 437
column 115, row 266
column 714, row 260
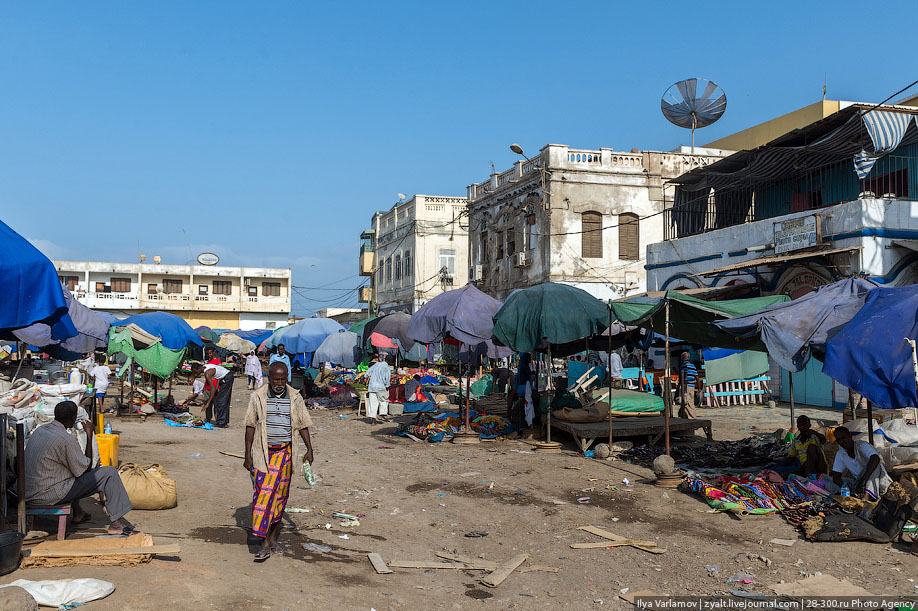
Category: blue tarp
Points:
column 794, row 330
column 30, row 290
column 92, row 333
column 871, row 355
column 174, row 332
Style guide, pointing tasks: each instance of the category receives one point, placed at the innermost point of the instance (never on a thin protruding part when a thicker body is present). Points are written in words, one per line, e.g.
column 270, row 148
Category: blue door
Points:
column 811, row 386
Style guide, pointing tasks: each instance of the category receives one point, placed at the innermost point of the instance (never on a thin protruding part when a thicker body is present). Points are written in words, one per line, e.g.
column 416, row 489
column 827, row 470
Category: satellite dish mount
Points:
column 683, row 105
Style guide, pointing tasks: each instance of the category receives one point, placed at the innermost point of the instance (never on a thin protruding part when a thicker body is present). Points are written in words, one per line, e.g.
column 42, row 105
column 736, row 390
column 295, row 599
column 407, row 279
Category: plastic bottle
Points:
column 108, row 428
column 845, row 490
column 308, row 474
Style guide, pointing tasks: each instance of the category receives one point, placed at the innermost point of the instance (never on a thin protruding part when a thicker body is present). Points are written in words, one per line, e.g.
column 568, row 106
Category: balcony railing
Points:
column 892, row 177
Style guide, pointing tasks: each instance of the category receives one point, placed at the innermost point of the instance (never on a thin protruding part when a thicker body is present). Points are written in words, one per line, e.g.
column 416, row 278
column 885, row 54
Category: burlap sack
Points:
column 148, row 487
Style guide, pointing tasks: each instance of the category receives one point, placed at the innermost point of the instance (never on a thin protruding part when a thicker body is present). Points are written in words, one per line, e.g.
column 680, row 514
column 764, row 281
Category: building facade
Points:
column 820, row 203
column 580, row 217
column 343, row 315
column 216, row 296
column 413, row 252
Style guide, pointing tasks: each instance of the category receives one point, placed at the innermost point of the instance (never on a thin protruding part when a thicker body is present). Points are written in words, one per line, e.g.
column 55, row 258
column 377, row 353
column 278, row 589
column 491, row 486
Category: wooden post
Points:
column 609, row 374
column 548, row 387
column 468, row 388
column 20, row 475
column 3, row 504
column 667, row 391
column 869, row 422
column 793, row 420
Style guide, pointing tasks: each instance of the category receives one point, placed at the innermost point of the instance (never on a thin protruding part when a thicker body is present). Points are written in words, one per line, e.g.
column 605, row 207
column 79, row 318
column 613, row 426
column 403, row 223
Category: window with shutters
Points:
column 499, row 238
column 172, row 287
column 483, row 248
column 121, row 285
column 270, row 289
column 592, row 235
column 398, row 268
column 222, row 287
column 531, row 231
column 406, row 264
column 629, row 236
column 511, row 242
column 389, row 271
column 69, row 281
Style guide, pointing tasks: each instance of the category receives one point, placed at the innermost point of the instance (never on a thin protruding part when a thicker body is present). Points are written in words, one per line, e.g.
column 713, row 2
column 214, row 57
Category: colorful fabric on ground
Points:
column 271, row 490
column 752, row 493
column 435, row 428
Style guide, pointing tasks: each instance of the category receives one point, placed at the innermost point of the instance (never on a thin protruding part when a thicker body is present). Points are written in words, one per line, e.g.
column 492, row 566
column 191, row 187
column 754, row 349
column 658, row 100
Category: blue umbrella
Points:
column 341, row 348
column 464, row 314
column 92, row 328
column 174, row 332
column 305, row 335
column 30, row 290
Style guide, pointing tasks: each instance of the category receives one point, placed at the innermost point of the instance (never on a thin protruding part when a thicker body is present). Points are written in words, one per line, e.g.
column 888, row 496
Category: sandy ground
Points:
column 421, row 498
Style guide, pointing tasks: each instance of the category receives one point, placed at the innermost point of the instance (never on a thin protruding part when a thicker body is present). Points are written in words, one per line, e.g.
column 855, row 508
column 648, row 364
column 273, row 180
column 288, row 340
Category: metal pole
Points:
column 667, row 392
column 548, row 387
column 5, row 427
column 609, row 374
column 869, row 422
column 468, row 387
column 20, row 475
column 793, row 420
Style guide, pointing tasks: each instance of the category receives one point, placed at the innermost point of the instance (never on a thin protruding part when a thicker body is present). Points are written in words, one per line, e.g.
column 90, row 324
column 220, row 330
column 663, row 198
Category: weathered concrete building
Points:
column 413, row 252
column 835, row 198
column 581, row 217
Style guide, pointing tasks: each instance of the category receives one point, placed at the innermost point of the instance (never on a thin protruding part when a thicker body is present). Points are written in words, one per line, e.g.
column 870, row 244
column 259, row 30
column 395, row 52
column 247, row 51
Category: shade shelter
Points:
column 303, row 336
column 342, row 348
column 92, row 332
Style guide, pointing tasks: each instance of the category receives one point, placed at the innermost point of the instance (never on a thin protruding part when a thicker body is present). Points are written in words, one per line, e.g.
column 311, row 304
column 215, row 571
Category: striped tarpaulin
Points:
column 886, row 130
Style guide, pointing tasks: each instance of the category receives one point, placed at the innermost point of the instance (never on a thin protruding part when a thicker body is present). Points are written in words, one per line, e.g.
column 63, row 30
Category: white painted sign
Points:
column 796, row 233
column 208, row 258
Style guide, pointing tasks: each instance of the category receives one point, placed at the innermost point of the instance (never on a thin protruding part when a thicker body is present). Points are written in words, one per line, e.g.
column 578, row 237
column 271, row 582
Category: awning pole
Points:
column 793, row 420
column 869, row 422
column 548, row 388
column 609, row 375
column 668, row 385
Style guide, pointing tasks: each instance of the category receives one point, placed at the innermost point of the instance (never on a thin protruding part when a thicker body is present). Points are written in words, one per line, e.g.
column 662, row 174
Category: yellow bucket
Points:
column 108, row 449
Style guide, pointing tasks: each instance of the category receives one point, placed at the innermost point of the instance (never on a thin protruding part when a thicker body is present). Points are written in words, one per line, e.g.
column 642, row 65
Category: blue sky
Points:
column 270, row 132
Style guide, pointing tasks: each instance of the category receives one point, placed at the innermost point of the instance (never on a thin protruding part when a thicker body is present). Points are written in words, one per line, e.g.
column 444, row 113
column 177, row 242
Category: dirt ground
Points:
column 421, row 498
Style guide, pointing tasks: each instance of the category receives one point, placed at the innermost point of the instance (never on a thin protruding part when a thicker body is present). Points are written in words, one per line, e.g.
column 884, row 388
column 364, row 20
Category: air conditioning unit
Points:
column 475, row 273
column 520, row 259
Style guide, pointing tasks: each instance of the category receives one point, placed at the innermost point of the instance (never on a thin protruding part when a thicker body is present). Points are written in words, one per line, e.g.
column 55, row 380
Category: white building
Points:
column 794, row 214
column 573, row 216
column 219, row 297
column 413, row 252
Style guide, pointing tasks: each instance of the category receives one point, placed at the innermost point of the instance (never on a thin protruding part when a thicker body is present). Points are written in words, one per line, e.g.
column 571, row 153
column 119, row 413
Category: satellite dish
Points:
column 683, row 105
column 401, row 196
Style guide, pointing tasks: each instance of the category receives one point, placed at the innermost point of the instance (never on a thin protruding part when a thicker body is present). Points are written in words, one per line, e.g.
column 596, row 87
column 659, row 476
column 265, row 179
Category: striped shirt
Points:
column 689, row 373
column 277, row 418
column 53, row 461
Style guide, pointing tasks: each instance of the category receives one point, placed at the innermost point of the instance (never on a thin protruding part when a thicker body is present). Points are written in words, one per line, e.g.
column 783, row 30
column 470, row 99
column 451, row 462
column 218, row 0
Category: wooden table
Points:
column 585, row 433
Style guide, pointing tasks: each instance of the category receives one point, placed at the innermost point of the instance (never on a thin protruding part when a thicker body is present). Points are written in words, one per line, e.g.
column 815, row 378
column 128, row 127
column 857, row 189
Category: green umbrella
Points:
column 208, row 335
column 559, row 313
column 357, row 328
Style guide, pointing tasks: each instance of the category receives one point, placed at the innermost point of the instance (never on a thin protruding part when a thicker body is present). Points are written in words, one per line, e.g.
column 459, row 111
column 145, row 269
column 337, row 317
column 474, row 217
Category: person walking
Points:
column 276, row 414
column 253, row 370
column 689, row 374
column 281, row 356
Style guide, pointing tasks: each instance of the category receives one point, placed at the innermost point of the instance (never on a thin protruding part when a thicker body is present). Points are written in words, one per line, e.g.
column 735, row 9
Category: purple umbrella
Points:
column 464, row 314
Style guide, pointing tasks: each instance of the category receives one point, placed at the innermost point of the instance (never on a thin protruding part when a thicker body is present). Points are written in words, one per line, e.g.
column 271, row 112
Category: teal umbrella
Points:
column 559, row 313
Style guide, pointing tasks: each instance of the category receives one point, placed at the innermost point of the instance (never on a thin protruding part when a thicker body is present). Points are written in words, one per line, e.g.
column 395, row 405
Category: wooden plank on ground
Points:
column 160, row 550
column 496, row 578
column 233, row 454
column 426, row 564
column 620, row 543
column 647, row 546
column 378, row 564
column 466, row 560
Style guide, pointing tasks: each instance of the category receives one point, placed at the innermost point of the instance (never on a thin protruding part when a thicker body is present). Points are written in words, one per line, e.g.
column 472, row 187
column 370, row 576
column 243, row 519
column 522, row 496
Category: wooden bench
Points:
column 61, row 511
column 585, row 433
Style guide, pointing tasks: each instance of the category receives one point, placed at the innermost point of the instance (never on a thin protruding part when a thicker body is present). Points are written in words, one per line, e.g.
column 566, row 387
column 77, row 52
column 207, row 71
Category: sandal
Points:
column 262, row 555
column 276, row 550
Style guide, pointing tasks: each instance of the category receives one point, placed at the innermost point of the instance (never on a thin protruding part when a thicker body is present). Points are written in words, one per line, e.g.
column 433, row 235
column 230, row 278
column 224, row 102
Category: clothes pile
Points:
column 435, row 427
column 765, row 492
column 756, row 451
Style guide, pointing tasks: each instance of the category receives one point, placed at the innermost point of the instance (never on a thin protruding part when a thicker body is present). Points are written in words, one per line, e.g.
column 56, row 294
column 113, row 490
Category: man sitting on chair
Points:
column 58, row 472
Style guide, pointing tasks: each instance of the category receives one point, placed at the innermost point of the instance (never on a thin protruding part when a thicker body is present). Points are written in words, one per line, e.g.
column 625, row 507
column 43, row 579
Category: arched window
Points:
column 398, row 268
column 406, row 264
column 591, row 226
column 389, row 270
column 629, row 236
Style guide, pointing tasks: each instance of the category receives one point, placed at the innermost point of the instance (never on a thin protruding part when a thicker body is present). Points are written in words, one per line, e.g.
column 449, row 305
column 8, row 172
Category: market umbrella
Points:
column 92, row 332
column 394, row 326
column 305, row 335
column 236, row 344
column 208, row 334
column 559, row 313
column 342, row 348
column 464, row 314
column 30, row 290
column 256, row 336
column 381, row 341
column 358, row 326
column 795, row 330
